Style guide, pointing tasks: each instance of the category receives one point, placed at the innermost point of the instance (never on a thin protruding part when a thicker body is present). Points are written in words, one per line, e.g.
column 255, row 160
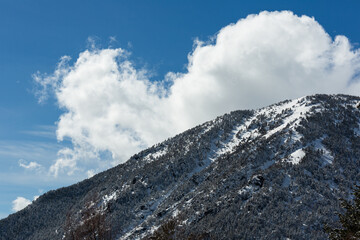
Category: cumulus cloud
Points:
column 112, row 107
column 20, row 203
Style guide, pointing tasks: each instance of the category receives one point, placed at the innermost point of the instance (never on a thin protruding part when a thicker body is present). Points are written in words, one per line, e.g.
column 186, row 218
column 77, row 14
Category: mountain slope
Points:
column 273, row 173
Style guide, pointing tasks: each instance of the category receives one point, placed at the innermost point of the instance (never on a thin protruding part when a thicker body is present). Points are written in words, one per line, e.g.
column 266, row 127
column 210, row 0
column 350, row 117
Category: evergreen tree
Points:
column 90, row 225
column 350, row 220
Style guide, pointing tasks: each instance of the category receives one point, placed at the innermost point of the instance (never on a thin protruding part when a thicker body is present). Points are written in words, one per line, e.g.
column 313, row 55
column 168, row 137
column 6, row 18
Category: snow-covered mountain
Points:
column 271, row 173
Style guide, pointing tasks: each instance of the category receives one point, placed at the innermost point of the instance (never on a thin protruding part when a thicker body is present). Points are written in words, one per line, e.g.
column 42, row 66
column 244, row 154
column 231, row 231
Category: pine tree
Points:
column 350, row 220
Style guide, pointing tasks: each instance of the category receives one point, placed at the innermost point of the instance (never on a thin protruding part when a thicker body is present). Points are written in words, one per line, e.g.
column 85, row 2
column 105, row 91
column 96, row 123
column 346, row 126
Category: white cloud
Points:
column 47, row 84
column 112, row 107
column 90, row 173
column 66, row 160
column 30, row 165
column 20, row 203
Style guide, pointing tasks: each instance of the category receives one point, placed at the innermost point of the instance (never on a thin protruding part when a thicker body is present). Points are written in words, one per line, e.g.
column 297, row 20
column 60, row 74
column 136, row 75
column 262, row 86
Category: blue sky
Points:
column 159, row 34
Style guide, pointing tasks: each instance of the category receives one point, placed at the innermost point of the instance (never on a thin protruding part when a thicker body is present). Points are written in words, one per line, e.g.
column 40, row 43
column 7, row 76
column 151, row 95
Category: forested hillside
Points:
column 271, row 173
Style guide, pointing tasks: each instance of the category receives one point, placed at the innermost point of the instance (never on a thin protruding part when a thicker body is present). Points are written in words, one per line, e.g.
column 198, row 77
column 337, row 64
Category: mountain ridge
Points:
column 248, row 174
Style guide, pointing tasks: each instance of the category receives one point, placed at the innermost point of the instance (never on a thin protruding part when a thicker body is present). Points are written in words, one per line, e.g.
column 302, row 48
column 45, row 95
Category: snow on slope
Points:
column 152, row 156
column 296, row 156
column 262, row 124
column 286, row 115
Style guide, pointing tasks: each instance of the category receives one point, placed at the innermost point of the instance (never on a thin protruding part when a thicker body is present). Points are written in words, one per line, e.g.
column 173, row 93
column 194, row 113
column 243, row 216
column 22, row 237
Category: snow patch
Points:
column 110, row 197
column 297, row 109
column 175, row 213
column 246, row 189
column 286, row 115
column 152, row 156
column 296, row 156
column 232, row 142
column 327, row 156
column 209, row 126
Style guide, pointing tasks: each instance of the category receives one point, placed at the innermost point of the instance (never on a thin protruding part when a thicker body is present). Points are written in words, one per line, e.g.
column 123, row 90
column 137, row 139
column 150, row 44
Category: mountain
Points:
column 272, row 173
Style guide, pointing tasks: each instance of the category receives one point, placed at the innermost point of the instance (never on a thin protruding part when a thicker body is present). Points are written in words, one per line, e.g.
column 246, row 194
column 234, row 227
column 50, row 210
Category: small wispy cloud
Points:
column 31, row 157
column 46, row 84
column 30, row 165
column 112, row 39
column 30, row 150
column 44, row 131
